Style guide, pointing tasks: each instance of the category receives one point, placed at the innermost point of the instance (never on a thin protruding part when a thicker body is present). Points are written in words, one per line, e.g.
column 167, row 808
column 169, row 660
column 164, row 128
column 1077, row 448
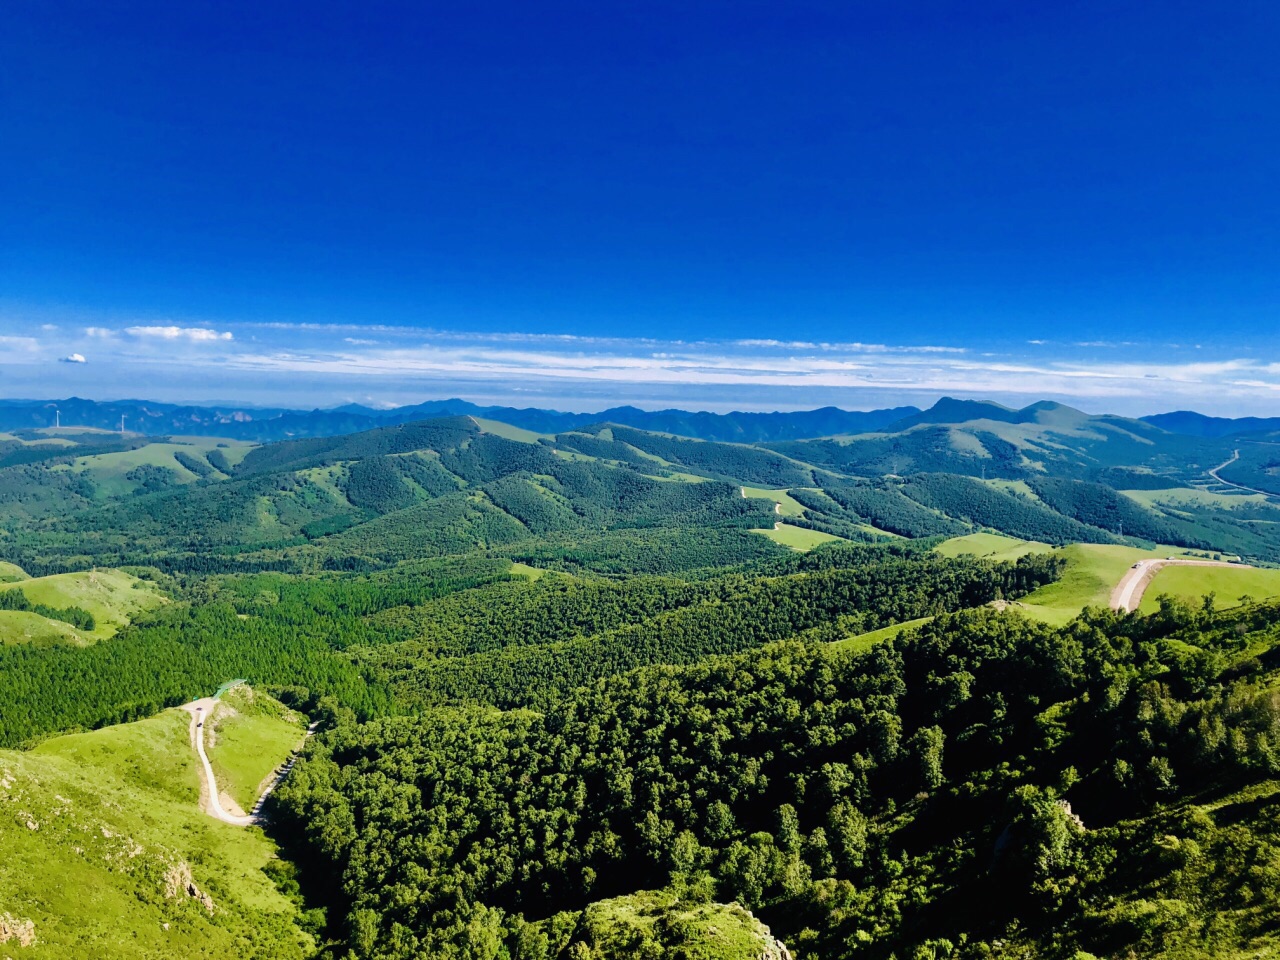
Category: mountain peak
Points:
column 953, row 410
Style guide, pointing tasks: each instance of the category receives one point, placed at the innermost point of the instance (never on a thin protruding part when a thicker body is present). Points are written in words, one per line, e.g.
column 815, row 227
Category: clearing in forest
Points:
column 114, row 598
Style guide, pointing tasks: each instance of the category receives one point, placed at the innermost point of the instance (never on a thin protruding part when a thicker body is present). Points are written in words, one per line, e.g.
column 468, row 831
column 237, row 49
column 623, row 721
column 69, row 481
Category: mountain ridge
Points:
column 268, row 424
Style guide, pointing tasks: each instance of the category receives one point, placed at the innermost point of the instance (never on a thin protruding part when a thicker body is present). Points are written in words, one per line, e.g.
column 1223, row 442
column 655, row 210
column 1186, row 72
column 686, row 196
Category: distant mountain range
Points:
column 270, row 424
column 1194, row 424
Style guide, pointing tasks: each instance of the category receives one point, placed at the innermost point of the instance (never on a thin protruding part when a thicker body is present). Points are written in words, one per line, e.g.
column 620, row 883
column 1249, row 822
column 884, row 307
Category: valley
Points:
column 603, row 692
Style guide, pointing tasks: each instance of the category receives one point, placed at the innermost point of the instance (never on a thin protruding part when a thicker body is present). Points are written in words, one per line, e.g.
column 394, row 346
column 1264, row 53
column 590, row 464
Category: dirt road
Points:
column 1235, row 455
column 210, row 802
column 1129, row 591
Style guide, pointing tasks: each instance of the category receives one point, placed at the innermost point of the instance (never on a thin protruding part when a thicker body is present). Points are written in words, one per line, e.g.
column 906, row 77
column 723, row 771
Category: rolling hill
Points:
column 595, row 690
column 455, row 484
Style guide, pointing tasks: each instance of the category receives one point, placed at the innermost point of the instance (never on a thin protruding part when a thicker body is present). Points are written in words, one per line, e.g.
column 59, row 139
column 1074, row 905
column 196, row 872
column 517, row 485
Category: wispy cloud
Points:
column 19, row 343
column 361, row 359
column 194, row 334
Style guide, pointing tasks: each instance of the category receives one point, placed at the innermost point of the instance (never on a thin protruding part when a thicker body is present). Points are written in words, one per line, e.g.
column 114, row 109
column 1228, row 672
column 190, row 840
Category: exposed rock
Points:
column 1072, row 817
column 774, row 949
column 179, row 882
column 20, row 931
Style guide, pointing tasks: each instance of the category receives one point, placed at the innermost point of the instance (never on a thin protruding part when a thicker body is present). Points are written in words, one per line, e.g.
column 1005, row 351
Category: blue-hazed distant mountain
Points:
column 269, row 424
column 1192, row 424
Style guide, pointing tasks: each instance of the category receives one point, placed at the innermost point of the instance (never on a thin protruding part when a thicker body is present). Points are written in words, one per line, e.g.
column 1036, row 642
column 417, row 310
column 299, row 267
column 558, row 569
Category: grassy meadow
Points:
column 1228, row 584
column 787, row 505
column 112, row 596
column 990, row 546
column 249, row 736
column 798, row 538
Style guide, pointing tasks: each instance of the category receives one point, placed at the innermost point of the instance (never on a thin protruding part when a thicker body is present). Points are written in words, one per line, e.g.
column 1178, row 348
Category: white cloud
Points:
column 48, row 326
column 195, row 334
column 102, row 333
column 73, row 358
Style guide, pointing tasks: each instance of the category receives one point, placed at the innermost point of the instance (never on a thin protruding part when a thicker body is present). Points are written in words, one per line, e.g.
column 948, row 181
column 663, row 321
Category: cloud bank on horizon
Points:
column 324, row 364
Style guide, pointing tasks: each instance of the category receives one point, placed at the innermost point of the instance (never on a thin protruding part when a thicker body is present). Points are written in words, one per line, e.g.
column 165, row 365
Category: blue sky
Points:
column 579, row 204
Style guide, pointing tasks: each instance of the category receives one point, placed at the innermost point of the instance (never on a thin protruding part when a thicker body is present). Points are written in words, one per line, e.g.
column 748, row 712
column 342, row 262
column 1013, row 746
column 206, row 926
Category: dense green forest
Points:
column 911, row 798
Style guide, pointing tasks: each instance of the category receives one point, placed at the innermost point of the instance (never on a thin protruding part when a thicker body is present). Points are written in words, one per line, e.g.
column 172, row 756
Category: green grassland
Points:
column 112, row 596
column 787, row 506
column 23, row 627
column 659, row 923
column 1092, row 572
column 1182, row 498
column 990, row 546
column 508, row 432
column 249, row 736
column 865, row 641
column 108, row 470
column 11, row 572
column 1228, row 584
column 676, row 476
column 100, row 835
column 798, row 538
column 524, row 570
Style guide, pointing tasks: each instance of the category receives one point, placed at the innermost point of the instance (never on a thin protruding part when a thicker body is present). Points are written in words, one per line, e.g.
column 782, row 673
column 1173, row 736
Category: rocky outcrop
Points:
column 17, row 930
column 178, row 882
column 774, row 949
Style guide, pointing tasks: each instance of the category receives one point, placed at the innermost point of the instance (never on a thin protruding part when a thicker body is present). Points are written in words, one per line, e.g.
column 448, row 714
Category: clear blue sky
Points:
column 1099, row 176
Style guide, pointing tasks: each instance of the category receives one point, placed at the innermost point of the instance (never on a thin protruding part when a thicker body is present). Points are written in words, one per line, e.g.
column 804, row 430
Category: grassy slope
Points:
column 249, row 737
column 11, row 572
column 18, row 626
column 708, row 931
column 1183, row 497
column 507, row 431
column 990, row 546
column 1092, row 572
column 865, row 641
column 797, row 538
column 108, row 469
column 788, row 507
column 112, row 596
column 1229, row 584
column 524, row 570
column 90, row 824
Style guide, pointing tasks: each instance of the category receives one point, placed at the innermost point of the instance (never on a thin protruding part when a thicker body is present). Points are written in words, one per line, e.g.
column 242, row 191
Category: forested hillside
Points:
column 978, row 786
column 575, row 702
column 457, row 484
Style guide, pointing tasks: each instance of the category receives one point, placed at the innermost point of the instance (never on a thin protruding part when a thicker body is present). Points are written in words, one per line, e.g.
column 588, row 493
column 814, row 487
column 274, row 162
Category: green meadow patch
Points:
column 1229, row 585
column 798, row 538
column 113, row 597
column 248, row 738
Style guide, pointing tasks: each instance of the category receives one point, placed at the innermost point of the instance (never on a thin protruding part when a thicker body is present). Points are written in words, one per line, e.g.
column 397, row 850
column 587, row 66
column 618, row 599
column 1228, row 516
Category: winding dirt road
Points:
column 211, row 801
column 1235, row 455
column 1129, row 591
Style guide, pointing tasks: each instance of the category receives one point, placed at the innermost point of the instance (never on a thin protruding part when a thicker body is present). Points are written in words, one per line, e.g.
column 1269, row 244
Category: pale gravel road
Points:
column 1129, row 591
column 201, row 711
column 210, row 802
